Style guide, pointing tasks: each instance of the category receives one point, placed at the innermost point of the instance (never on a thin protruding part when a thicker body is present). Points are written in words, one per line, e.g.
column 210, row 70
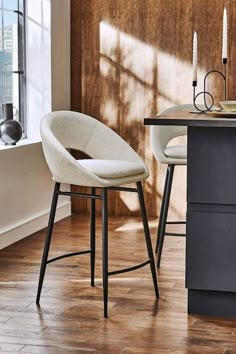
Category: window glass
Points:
column 10, row 4
column 12, row 56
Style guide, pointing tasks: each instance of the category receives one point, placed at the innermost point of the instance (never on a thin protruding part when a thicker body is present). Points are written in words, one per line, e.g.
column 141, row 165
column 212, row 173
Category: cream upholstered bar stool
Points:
column 160, row 136
column 113, row 164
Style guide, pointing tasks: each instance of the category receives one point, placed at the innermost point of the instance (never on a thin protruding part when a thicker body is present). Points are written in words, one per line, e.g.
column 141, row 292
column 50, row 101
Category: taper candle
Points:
column 195, row 56
column 224, row 42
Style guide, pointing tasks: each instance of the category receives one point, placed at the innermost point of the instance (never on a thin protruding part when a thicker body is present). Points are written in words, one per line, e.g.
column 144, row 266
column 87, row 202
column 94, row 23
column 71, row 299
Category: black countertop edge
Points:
column 221, row 123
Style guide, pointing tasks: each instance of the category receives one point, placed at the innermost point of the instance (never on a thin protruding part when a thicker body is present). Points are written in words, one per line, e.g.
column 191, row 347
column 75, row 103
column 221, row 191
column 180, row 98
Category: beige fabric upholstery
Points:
column 115, row 162
column 112, row 168
column 160, row 136
column 176, row 152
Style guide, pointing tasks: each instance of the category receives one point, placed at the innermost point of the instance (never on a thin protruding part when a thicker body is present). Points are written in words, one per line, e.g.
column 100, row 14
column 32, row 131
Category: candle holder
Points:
column 206, row 93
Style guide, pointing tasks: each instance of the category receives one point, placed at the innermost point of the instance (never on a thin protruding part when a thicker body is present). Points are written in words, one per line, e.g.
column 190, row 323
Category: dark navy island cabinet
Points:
column 211, row 211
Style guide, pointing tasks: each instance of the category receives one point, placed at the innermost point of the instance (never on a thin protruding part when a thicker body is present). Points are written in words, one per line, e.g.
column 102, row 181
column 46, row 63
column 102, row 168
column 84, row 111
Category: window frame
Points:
column 21, row 55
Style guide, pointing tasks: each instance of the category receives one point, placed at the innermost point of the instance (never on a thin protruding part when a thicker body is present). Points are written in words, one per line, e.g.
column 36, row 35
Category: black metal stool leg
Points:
column 165, row 212
column 161, row 211
column 92, row 236
column 147, row 237
column 105, row 250
column 47, row 240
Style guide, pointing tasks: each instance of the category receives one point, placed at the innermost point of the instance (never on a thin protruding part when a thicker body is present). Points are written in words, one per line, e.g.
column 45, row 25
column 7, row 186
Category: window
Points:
column 12, row 56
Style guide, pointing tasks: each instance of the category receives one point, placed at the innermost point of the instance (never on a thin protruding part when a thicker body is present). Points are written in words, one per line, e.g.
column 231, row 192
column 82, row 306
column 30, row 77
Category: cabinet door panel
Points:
column 211, row 165
column 211, row 251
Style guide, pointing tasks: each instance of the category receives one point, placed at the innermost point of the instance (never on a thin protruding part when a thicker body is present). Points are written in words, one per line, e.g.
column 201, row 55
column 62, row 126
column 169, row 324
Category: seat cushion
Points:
column 112, row 168
column 176, row 152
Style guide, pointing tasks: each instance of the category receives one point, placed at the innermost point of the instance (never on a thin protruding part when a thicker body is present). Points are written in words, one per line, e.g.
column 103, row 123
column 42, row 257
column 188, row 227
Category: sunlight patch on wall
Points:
column 136, row 58
column 109, row 111
column 140, row 76
column 174, row 80
column 126, row 71
column 109, row 38
column 139, row 80
column 106, row 69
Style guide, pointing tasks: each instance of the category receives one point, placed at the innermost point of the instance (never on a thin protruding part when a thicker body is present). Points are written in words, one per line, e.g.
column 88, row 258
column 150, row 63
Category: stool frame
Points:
column 105, row 252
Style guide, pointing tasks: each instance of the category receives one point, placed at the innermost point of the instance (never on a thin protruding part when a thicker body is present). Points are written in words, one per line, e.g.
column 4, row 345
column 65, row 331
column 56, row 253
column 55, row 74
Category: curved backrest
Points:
column 65, row 129
column 161, row 135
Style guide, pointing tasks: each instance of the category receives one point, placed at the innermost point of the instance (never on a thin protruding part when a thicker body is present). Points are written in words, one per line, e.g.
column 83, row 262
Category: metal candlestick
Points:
column 206, row 93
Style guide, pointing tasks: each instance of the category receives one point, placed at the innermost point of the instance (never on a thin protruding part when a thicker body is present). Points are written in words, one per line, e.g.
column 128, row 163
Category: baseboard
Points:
column 29, row 226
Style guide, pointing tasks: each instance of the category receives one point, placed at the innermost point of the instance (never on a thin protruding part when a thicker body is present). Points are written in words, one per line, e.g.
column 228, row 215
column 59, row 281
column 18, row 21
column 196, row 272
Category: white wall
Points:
column 25, row 193
column 26, row 185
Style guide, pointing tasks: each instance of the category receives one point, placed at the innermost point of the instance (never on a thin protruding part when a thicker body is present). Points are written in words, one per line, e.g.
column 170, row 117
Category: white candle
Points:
column 224, row 42
column 195, row 56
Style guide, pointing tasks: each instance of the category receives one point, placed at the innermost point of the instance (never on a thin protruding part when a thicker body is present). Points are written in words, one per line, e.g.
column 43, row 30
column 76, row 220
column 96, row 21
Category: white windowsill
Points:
column 22, row 142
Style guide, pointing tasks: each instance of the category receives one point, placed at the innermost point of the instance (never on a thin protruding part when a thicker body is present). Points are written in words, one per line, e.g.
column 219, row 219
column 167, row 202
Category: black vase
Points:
column 10, row 131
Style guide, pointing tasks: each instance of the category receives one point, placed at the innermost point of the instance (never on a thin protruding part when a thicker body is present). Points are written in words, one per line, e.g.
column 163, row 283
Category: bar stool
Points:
column 160, row 136
column 113, row 164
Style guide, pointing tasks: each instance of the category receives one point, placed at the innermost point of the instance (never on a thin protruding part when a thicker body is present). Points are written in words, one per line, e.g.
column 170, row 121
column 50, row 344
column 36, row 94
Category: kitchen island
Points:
column 211, row 210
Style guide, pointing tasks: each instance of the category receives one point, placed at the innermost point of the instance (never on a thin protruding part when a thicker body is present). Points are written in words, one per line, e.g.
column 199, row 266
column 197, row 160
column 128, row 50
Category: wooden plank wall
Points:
column 133, row 58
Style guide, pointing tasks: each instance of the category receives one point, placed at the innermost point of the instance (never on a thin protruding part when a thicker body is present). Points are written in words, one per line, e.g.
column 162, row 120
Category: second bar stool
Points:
column 160, row 136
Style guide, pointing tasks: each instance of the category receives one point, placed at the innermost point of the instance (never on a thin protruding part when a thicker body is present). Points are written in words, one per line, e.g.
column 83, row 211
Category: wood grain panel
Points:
column 207, row 19
column 60, row 48
column 131, row 59
column 76, row 58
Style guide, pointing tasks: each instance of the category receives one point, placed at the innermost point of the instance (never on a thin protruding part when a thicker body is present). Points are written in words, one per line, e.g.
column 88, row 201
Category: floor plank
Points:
column 70, row 316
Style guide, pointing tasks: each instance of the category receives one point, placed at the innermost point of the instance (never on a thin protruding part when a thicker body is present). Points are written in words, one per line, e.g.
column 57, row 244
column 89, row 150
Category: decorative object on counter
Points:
column 228, row 106
column 205, row 93
column 10, row 129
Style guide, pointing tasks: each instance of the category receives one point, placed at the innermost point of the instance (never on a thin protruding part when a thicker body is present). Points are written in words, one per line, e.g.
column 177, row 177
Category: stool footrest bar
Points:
column 67, row 255
column 82, row 195
column 176, row 222
column 124, row 189
column 124, row 270
column 174, row 234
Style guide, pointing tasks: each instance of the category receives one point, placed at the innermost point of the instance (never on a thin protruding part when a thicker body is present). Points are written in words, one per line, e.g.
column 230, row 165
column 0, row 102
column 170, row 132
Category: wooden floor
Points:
column 70, row 319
